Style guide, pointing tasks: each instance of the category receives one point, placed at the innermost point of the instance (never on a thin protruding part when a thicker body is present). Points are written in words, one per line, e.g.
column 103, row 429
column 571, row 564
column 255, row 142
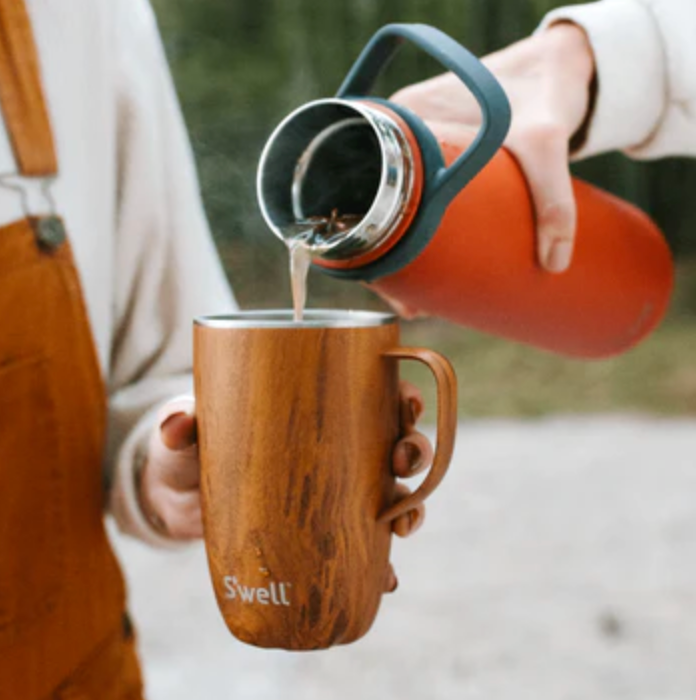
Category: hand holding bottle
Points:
column 547, row 79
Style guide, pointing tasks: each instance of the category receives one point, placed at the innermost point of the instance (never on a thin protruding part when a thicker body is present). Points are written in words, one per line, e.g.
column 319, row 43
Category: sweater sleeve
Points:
column 166, row 267
column 645, row 55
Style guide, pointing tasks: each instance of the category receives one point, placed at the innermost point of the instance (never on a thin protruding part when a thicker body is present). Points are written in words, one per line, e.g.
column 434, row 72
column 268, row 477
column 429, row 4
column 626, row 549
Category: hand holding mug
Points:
column 170, row 478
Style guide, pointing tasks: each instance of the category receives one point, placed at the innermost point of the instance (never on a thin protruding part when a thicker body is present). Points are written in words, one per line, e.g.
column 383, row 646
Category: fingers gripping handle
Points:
column 495, row 108
column 446, row 381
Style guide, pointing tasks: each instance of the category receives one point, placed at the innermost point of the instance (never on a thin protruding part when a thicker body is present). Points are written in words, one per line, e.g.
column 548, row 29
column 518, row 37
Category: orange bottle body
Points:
column 480, row 269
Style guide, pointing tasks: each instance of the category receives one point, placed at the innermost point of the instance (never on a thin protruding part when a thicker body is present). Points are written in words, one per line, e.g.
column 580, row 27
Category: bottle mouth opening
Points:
column 338, row 170
column 339, row 173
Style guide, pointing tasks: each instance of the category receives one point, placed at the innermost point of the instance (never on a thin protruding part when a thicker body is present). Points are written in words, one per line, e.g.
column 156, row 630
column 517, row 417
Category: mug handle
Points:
column 446, row 381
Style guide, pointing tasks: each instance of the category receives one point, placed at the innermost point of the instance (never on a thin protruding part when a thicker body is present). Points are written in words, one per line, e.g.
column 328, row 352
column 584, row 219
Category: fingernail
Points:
column 413, row 408
column 171, row 419
column 414, row 520
column 413, row 455
column 544, row 249
column 558, row 257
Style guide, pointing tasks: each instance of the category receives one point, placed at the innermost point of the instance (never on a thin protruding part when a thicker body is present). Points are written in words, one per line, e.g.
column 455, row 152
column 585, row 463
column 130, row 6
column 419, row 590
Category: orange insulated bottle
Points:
column 445, row 224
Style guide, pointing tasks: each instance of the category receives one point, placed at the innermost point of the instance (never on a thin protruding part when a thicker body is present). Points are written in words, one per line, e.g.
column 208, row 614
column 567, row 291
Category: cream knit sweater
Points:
column 128, row 193
column 645, row 51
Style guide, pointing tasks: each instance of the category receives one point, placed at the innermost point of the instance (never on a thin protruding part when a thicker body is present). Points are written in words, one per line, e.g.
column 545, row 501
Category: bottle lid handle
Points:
column 495, row 108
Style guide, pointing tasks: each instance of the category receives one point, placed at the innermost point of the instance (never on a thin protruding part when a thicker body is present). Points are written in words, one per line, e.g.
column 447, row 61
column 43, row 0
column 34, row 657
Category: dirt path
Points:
column 559, row 562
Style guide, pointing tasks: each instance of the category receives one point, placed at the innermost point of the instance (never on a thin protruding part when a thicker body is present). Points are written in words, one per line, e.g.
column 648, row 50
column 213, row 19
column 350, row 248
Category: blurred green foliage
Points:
column 242, row 66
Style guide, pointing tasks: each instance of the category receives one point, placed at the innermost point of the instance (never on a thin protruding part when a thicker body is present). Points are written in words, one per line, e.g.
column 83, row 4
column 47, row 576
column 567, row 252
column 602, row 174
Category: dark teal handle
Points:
column 495, row 108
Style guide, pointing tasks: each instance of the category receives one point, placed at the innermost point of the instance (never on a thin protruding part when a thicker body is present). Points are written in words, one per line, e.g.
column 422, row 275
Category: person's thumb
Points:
column 177, row 424
column 173, row 456
column 543, row 157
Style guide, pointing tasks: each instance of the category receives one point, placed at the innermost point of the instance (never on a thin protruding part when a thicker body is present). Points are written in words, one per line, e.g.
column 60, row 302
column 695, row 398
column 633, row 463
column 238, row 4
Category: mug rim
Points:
column 284, row 318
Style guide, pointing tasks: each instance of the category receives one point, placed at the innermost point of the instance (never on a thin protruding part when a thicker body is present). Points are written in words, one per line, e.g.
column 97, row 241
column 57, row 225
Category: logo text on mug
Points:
column 274, row 594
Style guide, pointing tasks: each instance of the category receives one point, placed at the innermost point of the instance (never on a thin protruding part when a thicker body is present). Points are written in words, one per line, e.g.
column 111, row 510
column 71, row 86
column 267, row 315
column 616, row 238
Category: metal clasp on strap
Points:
column 39, row 207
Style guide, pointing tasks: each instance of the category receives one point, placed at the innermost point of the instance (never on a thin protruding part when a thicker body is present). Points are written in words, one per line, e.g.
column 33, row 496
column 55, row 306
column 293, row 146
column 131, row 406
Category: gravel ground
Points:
column 558, row 562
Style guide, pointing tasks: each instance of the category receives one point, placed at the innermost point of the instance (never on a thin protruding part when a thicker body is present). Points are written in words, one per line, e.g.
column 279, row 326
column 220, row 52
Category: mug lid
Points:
column 284, row 318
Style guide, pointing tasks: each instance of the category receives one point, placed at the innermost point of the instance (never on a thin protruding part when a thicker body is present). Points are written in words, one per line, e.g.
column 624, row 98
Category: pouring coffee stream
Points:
column 304, row 239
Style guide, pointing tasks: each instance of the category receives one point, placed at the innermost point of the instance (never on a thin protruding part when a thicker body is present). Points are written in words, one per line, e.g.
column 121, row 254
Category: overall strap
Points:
column 21, row 94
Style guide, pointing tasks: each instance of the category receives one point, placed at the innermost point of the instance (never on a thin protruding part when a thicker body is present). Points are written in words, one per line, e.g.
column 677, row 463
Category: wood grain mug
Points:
column 297, row 423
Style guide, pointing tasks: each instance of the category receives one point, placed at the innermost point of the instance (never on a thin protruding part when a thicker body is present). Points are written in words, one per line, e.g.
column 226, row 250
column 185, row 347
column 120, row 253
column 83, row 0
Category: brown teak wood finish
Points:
column 296, row 432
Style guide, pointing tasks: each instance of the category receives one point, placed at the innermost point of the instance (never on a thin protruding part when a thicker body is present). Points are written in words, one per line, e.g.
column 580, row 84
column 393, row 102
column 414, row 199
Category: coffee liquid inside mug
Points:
column 442, row 220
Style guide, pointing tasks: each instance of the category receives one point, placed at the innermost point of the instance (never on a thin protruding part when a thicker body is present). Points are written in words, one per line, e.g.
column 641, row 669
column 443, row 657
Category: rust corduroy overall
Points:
column 63, row 631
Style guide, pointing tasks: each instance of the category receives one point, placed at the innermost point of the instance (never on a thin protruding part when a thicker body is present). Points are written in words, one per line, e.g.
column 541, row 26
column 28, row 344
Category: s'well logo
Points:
column 275, row 594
